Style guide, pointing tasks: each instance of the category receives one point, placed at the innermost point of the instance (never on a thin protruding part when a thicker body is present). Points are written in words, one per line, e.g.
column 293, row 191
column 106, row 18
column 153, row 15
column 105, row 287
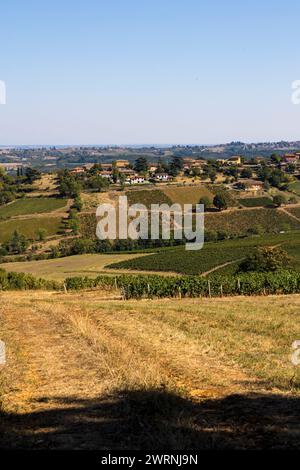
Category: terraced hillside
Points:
column 240, row 221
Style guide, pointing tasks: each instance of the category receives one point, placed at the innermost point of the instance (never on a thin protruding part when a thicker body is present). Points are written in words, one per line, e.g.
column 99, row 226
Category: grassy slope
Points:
column 147, row 197
column 233, row 221
column 79, row 265
column 188, row 194
column 212, row 254
column 255, row 202
column 29, row 227
column 85, row 372
column 31, row 206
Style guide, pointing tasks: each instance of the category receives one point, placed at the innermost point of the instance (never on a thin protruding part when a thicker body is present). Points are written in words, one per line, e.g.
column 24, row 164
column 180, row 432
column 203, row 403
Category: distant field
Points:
column 187, row 194
column 61, row 268
column 29, row 227
column 295, row 187
column 148, row 197
column 212, row 255
column 255, row 201
column 170, row 195
column 31, row 206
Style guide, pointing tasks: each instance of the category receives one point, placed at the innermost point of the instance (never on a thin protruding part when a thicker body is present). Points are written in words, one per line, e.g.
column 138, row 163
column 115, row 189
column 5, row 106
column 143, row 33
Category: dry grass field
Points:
column 188, row 194
column 89, row 371
column 90, row 265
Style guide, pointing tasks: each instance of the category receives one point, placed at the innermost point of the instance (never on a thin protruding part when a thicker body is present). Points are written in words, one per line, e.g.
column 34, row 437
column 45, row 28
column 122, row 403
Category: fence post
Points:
column 179, row 292
column 116, row 285
column 209, row 290
column 65, row 288
column 239, row 285
column 221, row 290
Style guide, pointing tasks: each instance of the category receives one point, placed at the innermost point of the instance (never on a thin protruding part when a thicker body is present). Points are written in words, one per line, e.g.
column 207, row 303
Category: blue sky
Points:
column 134, row 72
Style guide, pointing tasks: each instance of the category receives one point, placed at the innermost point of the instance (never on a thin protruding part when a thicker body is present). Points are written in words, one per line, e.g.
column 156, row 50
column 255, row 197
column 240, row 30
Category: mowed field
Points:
column 29, row 227
column 85, row 371
column 90, row 265
column 187, row 194
column 31, row 206
column 28, row 215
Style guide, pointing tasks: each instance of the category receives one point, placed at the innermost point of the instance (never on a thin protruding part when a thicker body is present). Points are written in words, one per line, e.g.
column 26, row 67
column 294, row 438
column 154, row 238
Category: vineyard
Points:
column 148, row 197
column 212, row 255
column 256, row 202
column 238, row 222
column 235, row 222
column 138, row 286
column 295, row 211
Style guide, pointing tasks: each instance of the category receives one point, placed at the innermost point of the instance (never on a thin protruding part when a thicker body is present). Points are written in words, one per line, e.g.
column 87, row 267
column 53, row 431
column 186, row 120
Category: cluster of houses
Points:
column 291, row 159
column 130, row 176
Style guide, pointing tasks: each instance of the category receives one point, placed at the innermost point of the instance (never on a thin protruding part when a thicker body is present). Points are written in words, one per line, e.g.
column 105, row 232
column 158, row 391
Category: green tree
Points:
column 279, row 199
column 99, row 183
column 32, row 174
column 41, row 234
column 265, row 259
column 68, row 186
column 175, row 166
column 222, row 201
column 205, row 201
column 141, row 165
column 246, row 173
column 18, row 243
column 78, row 204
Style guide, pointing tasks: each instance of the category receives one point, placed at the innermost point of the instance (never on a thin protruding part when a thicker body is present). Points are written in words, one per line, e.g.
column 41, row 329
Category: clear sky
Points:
column 148, row 71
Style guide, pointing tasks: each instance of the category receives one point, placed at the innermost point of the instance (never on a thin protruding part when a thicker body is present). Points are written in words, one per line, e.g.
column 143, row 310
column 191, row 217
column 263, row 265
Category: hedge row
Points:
column 155, row 286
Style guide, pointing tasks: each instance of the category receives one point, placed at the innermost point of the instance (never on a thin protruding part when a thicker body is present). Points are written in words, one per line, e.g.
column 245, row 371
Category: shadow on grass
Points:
column 156, row 420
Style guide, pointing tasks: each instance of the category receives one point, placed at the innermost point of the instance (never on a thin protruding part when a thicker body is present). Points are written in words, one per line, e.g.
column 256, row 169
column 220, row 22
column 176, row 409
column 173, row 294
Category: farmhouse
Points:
column 135, row 180
column 78, row 170
column 189, row 163
column 11, row 167
column 152, row 167
column 291, row 158
column 163, row 177
column 252, row 185
column 234, row 161
column 122, row 163
column 106, row 174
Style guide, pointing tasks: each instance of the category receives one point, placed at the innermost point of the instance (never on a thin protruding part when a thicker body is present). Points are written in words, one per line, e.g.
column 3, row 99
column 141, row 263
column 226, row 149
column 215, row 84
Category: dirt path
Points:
column 282, row 209
column 220, row 266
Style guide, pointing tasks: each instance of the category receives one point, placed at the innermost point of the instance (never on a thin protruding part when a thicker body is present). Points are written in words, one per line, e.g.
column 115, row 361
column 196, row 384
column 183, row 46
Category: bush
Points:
column 265, row 259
